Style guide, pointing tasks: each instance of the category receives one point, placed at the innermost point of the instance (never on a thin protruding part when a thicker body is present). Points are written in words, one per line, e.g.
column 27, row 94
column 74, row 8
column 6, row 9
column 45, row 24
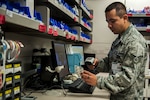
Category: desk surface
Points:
column 57, row 94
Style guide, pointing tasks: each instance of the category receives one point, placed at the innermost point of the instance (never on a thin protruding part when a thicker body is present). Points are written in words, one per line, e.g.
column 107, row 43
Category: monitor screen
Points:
column 79, row 49
column 59, row 58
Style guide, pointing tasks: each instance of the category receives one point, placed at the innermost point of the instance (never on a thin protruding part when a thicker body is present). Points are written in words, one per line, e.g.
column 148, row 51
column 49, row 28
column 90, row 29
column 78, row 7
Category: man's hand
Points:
column 91, row 67
column 89, row 78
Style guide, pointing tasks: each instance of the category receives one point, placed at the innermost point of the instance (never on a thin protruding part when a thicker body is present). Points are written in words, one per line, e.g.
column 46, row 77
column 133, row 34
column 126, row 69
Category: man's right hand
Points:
column 92, row 67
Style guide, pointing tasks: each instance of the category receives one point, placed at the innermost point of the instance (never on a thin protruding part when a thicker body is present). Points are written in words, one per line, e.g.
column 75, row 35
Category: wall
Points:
column 30, row 43
column 102, row 36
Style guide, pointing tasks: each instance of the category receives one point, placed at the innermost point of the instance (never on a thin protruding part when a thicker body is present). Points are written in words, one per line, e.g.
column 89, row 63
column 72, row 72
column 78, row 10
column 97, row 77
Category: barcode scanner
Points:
column 89, row 61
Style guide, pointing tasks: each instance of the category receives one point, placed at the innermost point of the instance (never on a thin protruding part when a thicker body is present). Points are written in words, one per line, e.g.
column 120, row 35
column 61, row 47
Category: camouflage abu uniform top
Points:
column 126, row 64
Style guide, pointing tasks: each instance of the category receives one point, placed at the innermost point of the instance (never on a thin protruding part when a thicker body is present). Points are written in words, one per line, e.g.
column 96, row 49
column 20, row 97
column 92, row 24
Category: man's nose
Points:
column 109, row 25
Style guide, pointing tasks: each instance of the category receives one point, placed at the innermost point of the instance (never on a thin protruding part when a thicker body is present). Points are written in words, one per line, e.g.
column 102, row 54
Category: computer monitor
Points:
column 79, row 49
column 75, row 57
column 59, row 58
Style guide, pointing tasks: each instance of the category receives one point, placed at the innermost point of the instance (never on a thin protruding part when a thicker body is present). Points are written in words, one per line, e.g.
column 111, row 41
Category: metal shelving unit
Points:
column 56, row 7
column 85, row 26
column 139, row 15
column 87, row 14
column 66, row 16
column 48, row 8
column 141, row 19
column 12, row 18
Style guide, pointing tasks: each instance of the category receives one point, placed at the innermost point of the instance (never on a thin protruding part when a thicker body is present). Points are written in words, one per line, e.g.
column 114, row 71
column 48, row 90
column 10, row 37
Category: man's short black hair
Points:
column 120, row 8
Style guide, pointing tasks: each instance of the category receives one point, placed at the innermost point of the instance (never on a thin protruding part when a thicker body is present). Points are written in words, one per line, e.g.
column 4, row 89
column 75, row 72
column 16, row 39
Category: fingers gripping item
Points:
column 78, row 70
column 89, row 61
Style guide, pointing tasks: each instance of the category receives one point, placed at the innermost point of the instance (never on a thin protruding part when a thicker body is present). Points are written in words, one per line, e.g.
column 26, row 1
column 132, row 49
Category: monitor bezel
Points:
column 53, row 52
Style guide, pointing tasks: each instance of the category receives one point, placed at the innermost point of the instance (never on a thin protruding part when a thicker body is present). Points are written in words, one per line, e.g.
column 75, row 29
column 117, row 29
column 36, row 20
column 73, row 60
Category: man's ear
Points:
column 125, row 16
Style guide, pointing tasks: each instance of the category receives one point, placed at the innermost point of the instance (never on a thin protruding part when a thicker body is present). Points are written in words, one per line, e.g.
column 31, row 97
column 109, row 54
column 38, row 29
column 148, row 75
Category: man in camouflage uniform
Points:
column 126, row 60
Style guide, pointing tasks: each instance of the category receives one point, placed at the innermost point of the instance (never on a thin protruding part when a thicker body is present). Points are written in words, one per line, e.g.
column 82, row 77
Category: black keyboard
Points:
column 79, row 86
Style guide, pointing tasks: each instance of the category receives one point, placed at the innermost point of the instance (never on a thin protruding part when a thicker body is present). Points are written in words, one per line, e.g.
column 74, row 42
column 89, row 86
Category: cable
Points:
column 58, row 86
column 5, row 49
column 15, row 49
column 57, row 69
column 8, row 47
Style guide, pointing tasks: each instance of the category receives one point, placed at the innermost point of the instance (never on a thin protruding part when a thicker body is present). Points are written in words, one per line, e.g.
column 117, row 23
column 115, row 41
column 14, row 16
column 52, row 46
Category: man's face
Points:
column 115, row 23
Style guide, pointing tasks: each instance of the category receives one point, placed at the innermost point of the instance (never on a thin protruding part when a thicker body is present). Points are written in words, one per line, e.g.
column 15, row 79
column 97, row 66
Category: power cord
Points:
column 58, row 86
column 57, row 69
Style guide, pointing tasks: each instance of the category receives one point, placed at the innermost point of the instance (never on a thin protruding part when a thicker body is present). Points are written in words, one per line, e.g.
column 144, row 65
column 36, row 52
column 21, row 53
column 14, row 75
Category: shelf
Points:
column 20, row 24
column 74, row 20
column 148, row 93
column 85, row 40
column 64, row 13
column 14, row 22
column 12, row 18
column 139, row 15
column 141, row 28
column 148, row 42
column 86, row 13
column 77, row 1
column 141, row 22
column 61, row 33
column 147, row 76
column 73, row 2
column 85, row 26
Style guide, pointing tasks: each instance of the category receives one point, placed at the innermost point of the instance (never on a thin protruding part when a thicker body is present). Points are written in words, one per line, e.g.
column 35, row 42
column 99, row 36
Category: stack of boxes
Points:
column 12, row 86
column 17, row 80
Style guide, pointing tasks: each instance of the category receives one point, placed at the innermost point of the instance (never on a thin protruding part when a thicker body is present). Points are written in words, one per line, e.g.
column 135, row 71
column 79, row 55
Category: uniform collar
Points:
column 122, row 38
column 125, row 34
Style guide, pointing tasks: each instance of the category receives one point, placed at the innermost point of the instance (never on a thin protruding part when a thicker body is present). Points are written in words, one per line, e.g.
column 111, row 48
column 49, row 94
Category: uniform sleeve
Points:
column 133, row 66
column 103, row 65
